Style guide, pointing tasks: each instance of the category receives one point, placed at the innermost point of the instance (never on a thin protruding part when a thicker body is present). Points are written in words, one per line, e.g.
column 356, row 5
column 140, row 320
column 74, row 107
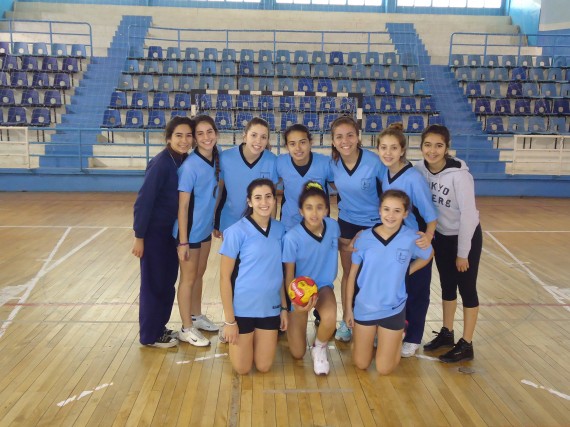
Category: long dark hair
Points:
column 343, row 120
column 203, row 118
column 259, row 182
column 297, row 127
column 438, row 130
column 175, row 122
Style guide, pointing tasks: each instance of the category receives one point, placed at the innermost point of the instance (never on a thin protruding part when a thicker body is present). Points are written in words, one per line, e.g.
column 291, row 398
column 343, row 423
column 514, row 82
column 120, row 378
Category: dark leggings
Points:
column 445, row 248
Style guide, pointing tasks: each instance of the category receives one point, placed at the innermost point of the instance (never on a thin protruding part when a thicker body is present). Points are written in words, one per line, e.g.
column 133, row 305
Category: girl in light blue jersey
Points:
column 197, row 186
column 357, row 174
column 310, row 249
column 296, row 168
column 382, row 260
column 251, row 282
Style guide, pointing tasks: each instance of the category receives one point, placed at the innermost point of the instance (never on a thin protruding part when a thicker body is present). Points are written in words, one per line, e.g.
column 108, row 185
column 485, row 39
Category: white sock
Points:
column 319, row 343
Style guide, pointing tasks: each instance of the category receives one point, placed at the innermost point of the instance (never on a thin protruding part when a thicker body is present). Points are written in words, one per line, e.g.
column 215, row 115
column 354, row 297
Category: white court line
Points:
column 530, row 274
column 423, row 356
column 43, row 271
column 550, row 390
column 199, row 359
column 82, row 394
column 309, row 390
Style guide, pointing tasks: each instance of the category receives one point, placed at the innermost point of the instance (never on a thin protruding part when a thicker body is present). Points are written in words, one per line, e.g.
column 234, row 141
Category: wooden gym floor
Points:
column 69, row 350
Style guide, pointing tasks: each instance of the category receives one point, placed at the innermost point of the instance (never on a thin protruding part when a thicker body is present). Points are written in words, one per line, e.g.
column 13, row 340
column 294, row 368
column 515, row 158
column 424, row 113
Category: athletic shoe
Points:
column 193, row 336
column 320, row 361
column 409, row 349
column 165, row 341
column 221, row 337
column 343, row 333
column 205, row 324
column 443, row 338
column 463, row 350
column 173, row 334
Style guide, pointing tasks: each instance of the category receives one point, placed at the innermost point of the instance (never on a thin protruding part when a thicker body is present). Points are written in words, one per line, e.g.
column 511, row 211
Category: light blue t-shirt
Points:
column 257, row 278
column 359, row 189
column 237, row 174
column 315, row 257
column 318, row 170
column 381, row 281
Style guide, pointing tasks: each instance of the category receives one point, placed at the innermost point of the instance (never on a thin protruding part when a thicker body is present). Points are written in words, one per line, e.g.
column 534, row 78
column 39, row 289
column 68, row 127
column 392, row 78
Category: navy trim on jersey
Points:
column 302, row 170
column 218, row 214
column 351, row 171
column 258, row 228
column 391, row 179
column 190, row 215
column 314, row 236
column 249, row 165
column 385, row 242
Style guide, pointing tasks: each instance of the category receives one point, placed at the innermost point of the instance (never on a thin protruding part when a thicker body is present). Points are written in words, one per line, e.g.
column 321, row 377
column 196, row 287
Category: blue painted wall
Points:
column 5, row 6
column 526, row 14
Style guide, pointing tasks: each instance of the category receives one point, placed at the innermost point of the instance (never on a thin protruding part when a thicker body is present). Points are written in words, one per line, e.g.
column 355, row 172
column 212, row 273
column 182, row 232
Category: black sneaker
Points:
column 463, row 350
column 173, row 334
column 165, row 341
column 443, row 338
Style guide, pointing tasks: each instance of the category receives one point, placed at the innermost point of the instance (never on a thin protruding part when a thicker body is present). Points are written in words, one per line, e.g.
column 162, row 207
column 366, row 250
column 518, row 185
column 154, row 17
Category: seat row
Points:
column 280, row 56
column 40, row 80
column 75, row 50
column 49, row 64
column 517, row 90
column 146, row 83
column 18, row 116
column 31, row 98
column 524, row 107
column 250, row 69
column 526, row 125
column 502, row 74
column 509, row 61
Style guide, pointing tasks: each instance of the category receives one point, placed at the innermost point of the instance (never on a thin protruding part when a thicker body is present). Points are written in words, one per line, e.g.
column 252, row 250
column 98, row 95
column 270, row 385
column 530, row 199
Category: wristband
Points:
column 183, row 244
column 230, row 323
column 284, row 308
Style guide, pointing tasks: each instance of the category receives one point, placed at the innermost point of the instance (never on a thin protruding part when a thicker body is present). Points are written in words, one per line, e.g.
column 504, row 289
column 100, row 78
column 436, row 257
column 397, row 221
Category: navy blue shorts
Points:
column 198, row 245
column 394, row 322
column 247, row 325
column 349, row 230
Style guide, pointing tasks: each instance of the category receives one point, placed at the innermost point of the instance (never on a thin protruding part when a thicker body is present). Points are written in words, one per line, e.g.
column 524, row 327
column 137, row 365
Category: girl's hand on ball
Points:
column 310, row 305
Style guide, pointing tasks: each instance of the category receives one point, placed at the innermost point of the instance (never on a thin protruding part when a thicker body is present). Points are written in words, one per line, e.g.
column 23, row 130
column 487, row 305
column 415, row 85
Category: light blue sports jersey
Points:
column 257, row 278
column 197, row 176
column 358, row 190
column 411, row 182
column 381, row 280
column 315, row 257
column 237, row 175
column 319, row 170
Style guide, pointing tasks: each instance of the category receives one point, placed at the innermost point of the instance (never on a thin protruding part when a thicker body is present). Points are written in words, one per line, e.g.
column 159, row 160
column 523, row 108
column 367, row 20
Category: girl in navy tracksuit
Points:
column 155, row 212
column 400, row 175
column 458, row 240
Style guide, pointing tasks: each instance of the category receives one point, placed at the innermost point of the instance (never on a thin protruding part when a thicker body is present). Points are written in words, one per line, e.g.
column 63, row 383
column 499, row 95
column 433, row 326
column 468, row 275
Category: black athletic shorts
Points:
column 394, row 322
column 247, row 325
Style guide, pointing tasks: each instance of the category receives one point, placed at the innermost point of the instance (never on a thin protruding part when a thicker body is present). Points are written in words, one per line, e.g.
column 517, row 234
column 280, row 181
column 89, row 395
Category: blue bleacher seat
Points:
column 265, row 83
column 389, row 58
column 347, row 105
column 173, row 53
column 139, row 100
column 227, row 83
column 178, row 113
column 205, row 102
column 229, row 54
column 10, row 63
column 394, row 119
column 246, row 69
column 186, row 83
column 518, row 73
column 542, row 107
column 41, row 117
column 210, row 54
column 245, row 83
column 145, row 83
column 503, row 106
column 522, row 107
column 501, row 74
column 530, row 90
column 357, row 71
column 52, row 98
column 224, row 101
column 7, row 98
column 305, row 85
column 266, row 69
column 125, row 82
column 328, row 104
column 561, row 107
column 228, row 68
column 372, row 58
column 301, row 57
column 494, row 124
column 269, row 117
column 134, row 119
column 112, row 119
column 341, row 71
column 415, row 124
column 559, row 61
column 408, row 105
column 524, row 61
column 413, row 72
column 427, row 105
column 535, row 74
column 135, row 52
column 318, row 57
column 19, row 79
column 244, row 102
column 165, row 84
column 161, row 101
column 192, row 54
column 344, row 86
column 473, row 61
column 156, row 119
column 516, row 125
column 78, row 50
column 464, row 74
column 285, row 84
column 170, row 67
column 30, row 63
column 20, row 48
column 402, row 88
column 154, row 52
column 436, row 120
column 4, row 48
column 354, row 58
column 473, row 89
column 482, row 106
column 508, row 61
column 536, row 125
column 565, row 90
column 514, row 90
column 311, row 120
column 307, row 104
column 182, row 101
column 118, row 99
column 40, row 80
column 421, row 88
column 265, row 103
column 324, row 85
column 491, row 61
column 327, row 121
column 369, row 104
column 208, row 68
column 377, row 72
column 557, row 125
column 265, row 55
column 302, row 70
column 70, row 65
column 548, row 90
column 206, row 82
column 388, row 105
column 190, row 68
column 493, row 90
column 287, row 103
column 39, row 49
column 31, row 98
column 288, row 119
column 320, row 70
column 372, row 123
column 284, row 70
column 395, row 72
column 456, row 60
column 336, row 58
column 482, row 74
column 383, row 88
column 49, row 63
column 282, row 56
column 555, row 74
column 364, row 87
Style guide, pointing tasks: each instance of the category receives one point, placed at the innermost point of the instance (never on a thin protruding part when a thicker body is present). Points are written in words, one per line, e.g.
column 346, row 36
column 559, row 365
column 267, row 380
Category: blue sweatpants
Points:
column 418, row 289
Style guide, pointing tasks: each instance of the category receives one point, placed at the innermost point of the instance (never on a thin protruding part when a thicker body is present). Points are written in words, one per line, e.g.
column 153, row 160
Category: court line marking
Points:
column 423, row 356
column 42, row 272
column 530, row 274
column 200, row 359
column 309, row 390
column 83, row 394
column 550, row 390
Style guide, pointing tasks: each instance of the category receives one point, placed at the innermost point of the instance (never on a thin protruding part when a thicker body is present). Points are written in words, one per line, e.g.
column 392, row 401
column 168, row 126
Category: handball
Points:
column 301, row 289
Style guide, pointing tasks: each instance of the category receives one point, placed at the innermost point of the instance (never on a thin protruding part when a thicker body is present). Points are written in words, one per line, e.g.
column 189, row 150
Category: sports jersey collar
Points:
column 381, row 239
column 314, row 236
column 249, row 165
column 399, row 174
column 258, row 228
column 210, row 163
column 350, row 172
column 302, row 170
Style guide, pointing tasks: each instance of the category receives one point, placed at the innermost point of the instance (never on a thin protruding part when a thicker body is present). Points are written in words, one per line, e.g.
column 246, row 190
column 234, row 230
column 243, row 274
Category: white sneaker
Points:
column 409, row 349
column 320, row 361
column 205, row 324
column 193, row 336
